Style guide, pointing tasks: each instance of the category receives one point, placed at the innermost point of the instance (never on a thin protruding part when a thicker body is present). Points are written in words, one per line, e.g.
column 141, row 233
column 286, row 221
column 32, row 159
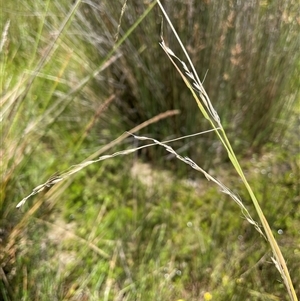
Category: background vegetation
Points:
column 144, row 227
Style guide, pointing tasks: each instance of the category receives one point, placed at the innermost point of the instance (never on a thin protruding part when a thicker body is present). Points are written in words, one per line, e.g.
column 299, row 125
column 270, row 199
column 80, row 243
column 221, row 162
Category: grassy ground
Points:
column 120, row 237
column 123, row 229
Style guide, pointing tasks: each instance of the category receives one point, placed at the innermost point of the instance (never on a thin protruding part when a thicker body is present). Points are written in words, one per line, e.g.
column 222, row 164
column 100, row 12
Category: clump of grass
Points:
column 45, row 79
column 212, row 116
column 36, row 97
column 242, row 49
column 129, row 242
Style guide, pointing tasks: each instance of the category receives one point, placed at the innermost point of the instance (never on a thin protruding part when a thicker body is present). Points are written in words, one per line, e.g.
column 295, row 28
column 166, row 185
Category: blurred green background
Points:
column 144, row 226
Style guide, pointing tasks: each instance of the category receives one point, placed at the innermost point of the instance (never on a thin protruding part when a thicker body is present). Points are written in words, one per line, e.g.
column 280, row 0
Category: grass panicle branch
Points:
column 224, row 189
column 76, row 168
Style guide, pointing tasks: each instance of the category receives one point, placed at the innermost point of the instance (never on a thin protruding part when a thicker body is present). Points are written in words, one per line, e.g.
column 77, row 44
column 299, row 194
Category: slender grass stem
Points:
column 209, row 113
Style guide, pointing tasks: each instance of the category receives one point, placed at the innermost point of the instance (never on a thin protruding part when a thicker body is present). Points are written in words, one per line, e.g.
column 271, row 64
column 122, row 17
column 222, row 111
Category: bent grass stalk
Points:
column 209, row 113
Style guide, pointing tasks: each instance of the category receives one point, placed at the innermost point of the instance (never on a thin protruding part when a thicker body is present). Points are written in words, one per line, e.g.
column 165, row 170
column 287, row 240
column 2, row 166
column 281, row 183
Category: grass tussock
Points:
column 241, row 48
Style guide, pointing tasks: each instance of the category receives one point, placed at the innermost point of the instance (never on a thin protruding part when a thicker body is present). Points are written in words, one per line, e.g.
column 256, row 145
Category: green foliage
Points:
column 170, row 237
column 248, row 50
column 105, row 234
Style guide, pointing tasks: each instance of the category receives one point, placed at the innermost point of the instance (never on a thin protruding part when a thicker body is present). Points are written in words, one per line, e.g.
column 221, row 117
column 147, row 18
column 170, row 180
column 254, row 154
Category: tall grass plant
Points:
column 109, row 234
